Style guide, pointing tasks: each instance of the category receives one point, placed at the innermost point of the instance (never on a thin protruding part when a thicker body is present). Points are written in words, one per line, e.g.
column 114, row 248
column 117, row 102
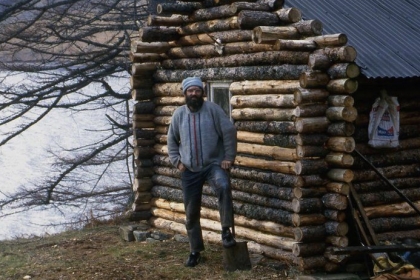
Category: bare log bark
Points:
column 266, row 126
column 264, row 87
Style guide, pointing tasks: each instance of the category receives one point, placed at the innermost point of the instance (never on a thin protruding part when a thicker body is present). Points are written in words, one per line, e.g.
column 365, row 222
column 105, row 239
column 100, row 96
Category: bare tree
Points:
column 63, row 47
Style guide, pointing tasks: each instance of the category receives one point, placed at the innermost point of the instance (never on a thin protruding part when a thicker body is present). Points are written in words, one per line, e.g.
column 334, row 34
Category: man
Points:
column 202, row 145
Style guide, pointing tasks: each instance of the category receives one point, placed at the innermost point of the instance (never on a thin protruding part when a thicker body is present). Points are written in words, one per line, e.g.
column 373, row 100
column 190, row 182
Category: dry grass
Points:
column 100, row 253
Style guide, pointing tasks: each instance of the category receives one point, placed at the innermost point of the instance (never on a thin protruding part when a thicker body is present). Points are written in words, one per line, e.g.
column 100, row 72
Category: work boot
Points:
column 227, row 239
column 193, row 259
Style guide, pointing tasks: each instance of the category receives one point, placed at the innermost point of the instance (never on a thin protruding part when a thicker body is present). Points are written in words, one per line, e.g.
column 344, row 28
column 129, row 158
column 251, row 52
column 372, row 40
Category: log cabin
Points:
column 298, row 78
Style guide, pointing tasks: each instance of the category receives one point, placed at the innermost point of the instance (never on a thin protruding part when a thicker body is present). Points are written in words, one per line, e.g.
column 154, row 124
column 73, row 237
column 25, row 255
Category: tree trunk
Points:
column 285, row 141
column 311, row 139
column 268, row 114
column 224, row 37
column 295, row 45
column 308, row 249
column 342, row 86
column 312, row 125
column 245, row 59
column 251, row 19
column 274, row 152
column 181, row 8
column 311, row 166
column 341, row 128
column 261, row 34
column 306, row 205
column 390, row 224
column 391, row 210
column 329, row 40
column 335, row 228
column 311, row 79
column 341, row 144
column 209, row 26
column 335, row 201
column 263, row 87
column 174, row 20
column 303, row 96
column 340, row 101
column 280, row 72
column 263, row 189
column 339, row 54
column 348, row 114
column 278, row 166
column 157, row 34
column 344, row 70
column 289, row 15
column 266, row 127
column 309, row 234
column 341, row 175
column 319, row 61
column 308, row 28
column 168, row 89
column 277, row 179
column 263, row 101
column 335, row 215
column 142, row 94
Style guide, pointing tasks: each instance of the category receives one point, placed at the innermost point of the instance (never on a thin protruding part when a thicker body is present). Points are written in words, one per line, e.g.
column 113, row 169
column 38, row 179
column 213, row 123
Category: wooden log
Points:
column 145, row 57
column 142, row 184
column 266, row 126
column 136, row 82
column 386, row 197
column 144, row 47
column 302, row 95
column 342, row 86
column 263, row 34
column 339, row 54
column 263, row 101
column 251, row 19
column 224, row 37
column 308, row 249
column 174, row 20
column 289, row 15
column 348, row 114
column 319, row 61
column 309, row 234
column 342, row 128
column 142, row 117
column 280, row 72
column 308, row 192
column 296, row 45
column 145, row 107
column 338, row 229
column 144, row 133
column 267, row 114
column 274, row 152
column 311, row 110
column 306, row 205
column 142, row 94
column 142, row 124
column 140, row 172
column 335, row 215
column 168, row 89
column 164, row 110
column 307, row 220
column 169, row 100
column 143, row 142
column 338, row 241
column 162, row 160
column 286, row 141
column 170, row 173
column 209, row 26
column 340, row 101
column 387, row 158
column 278, row 166
column 315, row 180
column 339, row 159
column 335, row 258
column 312, row 79
column 341, row 144
column 390, row 172
column 399, row 235
column 311, row 139
column 263, row 87
column 311, row 125
column 340, row 175
column 391, row 210
column 310, row 263
column 142, row 69
column 142, row 197
column 305, row 151
column 181, row 8
column 143, row 152
column 343, row 70
column 241, row 59
column 162, row 120
column 335, row 201
column 308, row 27
column 140, row 207
column 268, row 177
column 310, row 166
column 380, row 225
column 400, row 183
column 158, row 34
column 329, row 40
column 218, row 12
column 262, row 189
column 258, row 6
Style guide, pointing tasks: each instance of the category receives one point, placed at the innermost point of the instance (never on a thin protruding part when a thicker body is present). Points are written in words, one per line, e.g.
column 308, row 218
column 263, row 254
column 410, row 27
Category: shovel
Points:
column 236, row 257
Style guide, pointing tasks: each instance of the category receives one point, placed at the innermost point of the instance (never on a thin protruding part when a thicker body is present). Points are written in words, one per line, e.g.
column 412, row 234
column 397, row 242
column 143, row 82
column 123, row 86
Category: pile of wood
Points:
column 292, row 106
column 390, row 215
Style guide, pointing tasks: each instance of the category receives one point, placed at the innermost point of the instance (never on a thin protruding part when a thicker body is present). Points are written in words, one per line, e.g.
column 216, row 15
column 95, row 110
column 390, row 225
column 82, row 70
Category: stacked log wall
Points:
column 293, row 110
column 392, row 218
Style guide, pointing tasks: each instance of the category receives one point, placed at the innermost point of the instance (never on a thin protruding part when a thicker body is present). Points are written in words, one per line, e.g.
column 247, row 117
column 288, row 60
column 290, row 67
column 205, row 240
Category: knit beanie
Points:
column 191, row 81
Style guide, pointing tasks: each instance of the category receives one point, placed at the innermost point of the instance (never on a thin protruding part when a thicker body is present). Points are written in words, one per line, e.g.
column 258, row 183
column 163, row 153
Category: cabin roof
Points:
column 385, row 33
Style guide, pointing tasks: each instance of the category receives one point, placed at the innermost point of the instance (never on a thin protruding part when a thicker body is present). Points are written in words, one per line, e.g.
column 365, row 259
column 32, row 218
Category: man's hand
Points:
column 181, row 167
column 226, row 164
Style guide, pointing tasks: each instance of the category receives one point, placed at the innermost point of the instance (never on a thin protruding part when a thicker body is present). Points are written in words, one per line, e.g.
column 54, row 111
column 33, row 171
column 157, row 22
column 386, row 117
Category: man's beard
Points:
column 194, row 103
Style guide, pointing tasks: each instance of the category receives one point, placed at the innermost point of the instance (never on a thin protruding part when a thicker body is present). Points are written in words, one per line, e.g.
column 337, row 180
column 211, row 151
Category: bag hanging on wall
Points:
column 384, row 122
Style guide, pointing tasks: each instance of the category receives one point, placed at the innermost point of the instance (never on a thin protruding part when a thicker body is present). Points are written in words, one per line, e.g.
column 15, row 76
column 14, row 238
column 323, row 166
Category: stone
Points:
column 160, row 235
column 140, row 236
column 181, row 238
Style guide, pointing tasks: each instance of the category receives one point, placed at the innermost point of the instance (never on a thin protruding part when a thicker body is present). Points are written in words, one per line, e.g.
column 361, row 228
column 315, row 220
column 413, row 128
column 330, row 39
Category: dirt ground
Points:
column 100, row 253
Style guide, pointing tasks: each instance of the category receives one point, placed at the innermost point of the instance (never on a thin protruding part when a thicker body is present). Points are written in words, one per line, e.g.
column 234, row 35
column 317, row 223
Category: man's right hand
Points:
column 181, row 167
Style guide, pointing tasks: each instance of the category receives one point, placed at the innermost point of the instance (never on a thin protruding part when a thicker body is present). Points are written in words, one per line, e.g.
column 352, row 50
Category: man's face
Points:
column 194, row 97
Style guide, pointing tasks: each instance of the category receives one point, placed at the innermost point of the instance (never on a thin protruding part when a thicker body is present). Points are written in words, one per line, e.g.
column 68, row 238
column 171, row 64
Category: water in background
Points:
column 24, row 160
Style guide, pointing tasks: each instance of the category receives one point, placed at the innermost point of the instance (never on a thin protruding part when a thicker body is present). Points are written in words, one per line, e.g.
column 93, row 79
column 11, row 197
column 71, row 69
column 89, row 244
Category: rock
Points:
column 141, row 235
column 160, row 235
column 181, row 238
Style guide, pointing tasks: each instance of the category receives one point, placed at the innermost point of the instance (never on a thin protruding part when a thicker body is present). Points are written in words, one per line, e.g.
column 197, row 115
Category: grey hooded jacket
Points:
column 201, row 138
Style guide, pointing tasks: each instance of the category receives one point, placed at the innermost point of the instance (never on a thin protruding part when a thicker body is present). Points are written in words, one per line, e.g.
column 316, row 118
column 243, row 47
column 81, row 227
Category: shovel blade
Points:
column 236, row 257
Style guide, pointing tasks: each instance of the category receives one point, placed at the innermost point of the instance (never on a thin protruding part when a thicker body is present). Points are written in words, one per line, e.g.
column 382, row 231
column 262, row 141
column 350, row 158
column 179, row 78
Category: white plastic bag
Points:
column 384, row 122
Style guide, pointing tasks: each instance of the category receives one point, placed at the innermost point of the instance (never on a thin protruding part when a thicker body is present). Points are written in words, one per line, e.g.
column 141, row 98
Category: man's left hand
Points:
column 226, row 164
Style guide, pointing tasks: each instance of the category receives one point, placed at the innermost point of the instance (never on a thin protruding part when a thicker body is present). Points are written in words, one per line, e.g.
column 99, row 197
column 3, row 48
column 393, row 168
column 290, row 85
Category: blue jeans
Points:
column 192, row 189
